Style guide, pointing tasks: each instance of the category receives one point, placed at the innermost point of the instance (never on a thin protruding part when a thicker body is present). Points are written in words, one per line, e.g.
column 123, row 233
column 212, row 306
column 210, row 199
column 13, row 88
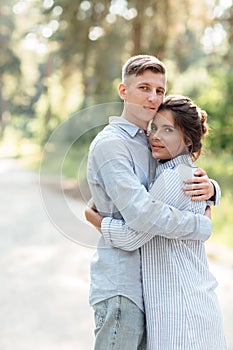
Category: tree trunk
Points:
column 2, row 114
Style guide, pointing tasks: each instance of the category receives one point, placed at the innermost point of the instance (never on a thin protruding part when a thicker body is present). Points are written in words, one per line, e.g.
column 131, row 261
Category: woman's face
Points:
column 166, row 141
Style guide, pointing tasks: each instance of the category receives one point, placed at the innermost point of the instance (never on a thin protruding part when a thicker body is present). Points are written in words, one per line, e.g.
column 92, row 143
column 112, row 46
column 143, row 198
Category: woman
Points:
column 181, row 306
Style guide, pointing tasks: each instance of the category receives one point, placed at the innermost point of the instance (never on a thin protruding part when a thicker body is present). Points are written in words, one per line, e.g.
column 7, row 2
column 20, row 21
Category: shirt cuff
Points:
column 205, row 226
column 215, row 200
column 105, row 229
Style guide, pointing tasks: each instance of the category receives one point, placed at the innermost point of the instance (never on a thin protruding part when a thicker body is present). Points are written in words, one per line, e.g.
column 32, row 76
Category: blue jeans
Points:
column 120, row 325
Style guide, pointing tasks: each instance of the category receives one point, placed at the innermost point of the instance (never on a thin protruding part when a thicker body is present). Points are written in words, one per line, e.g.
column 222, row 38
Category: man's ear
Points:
column 122, row 91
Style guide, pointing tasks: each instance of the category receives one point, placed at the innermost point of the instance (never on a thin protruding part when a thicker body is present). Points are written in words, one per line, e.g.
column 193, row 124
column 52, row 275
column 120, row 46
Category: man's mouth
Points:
column 149, row 108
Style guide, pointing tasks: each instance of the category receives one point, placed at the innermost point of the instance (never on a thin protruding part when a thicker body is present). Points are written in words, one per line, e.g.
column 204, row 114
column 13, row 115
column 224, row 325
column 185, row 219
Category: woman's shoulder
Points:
column 185, row 171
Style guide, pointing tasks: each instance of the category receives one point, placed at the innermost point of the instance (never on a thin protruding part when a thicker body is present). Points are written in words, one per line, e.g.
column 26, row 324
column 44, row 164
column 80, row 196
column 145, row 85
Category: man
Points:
column 120, row 169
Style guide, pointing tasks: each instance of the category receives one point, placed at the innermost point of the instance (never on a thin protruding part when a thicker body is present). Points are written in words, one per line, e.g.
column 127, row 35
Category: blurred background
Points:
column 61, row 57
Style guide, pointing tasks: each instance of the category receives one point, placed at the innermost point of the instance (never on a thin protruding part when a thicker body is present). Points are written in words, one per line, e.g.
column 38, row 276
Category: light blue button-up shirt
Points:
column 120, row 168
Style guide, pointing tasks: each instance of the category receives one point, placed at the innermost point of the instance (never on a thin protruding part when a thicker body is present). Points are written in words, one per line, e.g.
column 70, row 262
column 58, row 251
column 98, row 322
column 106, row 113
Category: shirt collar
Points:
column 124, row 124
column 174, row 162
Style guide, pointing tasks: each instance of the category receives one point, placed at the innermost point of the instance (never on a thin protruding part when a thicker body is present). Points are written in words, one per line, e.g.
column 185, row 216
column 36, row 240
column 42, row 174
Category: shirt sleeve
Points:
column 217, row 196
column 142, row 214
column 167, row 188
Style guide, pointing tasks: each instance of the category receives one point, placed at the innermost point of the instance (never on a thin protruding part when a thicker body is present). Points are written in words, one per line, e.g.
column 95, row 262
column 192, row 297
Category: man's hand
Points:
column 199, row 187
column 93, row 216
column 208, row 211
column 91, row 205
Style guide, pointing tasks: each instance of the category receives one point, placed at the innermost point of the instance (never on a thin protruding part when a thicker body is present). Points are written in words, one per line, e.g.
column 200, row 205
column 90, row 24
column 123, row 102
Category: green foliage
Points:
column 222, row 220
column 212, row 91
column 220, row 168
column 217, row 101
column 9, row 63
column 71, row 52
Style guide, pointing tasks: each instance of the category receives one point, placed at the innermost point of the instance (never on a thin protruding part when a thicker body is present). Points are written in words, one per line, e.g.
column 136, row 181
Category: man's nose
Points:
column 153, row 95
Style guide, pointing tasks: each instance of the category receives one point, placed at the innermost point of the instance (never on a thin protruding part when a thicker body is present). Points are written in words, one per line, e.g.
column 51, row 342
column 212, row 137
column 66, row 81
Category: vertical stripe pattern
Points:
column 181, row 306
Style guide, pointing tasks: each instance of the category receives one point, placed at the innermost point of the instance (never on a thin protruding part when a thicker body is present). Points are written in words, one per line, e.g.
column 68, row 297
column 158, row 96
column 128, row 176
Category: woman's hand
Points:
column 93, row 216
column 199, row 187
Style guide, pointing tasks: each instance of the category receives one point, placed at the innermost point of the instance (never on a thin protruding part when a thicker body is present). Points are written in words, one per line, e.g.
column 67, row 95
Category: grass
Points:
column 220, row 168
column 222, row 220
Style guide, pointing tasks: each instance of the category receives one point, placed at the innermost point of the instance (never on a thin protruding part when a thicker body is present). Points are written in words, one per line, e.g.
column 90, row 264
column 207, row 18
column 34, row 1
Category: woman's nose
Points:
column 155, row 134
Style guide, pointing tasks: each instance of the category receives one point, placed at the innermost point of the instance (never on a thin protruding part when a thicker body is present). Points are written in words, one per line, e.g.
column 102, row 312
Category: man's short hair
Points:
column 137, row 65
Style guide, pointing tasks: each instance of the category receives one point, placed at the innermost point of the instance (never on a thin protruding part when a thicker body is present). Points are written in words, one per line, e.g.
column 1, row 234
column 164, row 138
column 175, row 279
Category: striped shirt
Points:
column 181, row 306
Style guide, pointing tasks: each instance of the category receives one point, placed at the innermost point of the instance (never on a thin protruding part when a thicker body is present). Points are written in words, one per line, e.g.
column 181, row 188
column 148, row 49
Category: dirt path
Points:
column 44, row 276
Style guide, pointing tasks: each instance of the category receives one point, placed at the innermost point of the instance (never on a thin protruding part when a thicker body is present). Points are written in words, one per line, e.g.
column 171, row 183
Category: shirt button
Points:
column 140, row 131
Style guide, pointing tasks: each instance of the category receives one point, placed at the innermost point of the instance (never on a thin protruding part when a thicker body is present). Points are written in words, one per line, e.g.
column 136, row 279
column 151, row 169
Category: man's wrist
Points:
column 213, row 197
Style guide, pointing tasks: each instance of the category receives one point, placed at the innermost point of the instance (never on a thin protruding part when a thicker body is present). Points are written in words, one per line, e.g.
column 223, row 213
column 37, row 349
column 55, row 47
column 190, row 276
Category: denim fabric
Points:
column 120, row 325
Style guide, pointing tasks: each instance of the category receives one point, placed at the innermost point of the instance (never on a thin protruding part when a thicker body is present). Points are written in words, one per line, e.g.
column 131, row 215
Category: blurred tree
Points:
column 94, row 37
column 224, row 21
column 218, row 42
column 77, row 48
column 9, row 63
column 217, row 100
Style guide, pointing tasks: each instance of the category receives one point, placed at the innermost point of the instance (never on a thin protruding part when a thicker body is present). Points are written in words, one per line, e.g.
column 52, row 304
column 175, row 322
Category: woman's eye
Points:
column 169, row 130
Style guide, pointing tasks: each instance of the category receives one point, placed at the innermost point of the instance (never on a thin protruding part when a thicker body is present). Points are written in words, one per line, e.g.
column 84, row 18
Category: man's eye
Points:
column 145, row 88
column 153, row 129
column 160, row 92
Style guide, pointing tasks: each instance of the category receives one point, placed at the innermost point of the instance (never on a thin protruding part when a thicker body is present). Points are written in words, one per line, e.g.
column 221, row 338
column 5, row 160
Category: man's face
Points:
column 142, row 95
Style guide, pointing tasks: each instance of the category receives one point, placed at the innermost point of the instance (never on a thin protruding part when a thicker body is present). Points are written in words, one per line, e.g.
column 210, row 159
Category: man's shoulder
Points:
column 106, row 135
column 110, row 134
